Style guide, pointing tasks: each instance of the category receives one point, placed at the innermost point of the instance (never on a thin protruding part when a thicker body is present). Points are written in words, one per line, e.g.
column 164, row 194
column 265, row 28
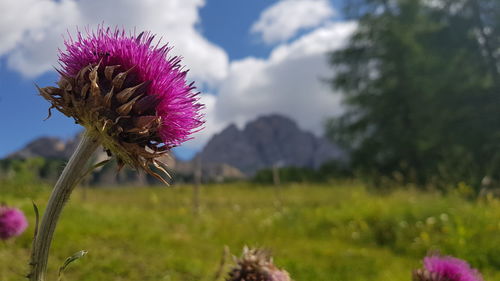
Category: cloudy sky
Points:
column 248, row 58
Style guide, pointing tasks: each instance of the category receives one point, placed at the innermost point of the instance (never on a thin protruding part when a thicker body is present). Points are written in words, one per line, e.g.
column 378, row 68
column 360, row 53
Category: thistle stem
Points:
column 60, row 195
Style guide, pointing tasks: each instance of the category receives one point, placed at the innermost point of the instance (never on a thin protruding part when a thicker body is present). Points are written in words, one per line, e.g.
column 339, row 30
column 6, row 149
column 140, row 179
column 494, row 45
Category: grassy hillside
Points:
column 317, row 232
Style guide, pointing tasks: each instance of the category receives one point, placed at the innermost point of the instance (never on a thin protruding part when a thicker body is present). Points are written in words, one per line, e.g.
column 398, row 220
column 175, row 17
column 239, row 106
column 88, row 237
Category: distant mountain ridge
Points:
column 267, row 141
column 46, row 147
column 231, row 154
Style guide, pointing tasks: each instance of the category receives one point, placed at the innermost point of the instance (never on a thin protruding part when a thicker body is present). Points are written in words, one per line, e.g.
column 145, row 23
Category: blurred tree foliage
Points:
column 421, row 85
column 286, row 175
column 328, row 171
column 26, row 171
column 28, row 177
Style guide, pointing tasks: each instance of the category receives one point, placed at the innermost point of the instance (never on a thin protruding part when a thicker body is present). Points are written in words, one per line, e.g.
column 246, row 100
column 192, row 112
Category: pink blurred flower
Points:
column 446, row 268
column 12, row 222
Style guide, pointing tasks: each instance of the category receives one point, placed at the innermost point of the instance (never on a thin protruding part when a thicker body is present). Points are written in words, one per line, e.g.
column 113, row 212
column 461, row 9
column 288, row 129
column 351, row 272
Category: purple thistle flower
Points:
column 446, row 268
column 128, row 92
column 12, row 222
column 177, row 104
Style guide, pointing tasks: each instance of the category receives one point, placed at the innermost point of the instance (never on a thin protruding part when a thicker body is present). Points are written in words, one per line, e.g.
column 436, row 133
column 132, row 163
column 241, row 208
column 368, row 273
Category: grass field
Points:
column 330, row 232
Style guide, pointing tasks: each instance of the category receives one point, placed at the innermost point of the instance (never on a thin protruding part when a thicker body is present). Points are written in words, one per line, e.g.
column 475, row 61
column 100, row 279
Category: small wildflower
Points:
column 443, row 217
column 446, row 268
column 12, row 222
column 256, row 265
column 430, row 221
column 127, row 93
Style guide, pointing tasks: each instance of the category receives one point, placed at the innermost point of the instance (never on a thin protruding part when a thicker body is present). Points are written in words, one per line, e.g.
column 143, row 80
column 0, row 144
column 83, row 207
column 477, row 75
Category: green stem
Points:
column 60, row 195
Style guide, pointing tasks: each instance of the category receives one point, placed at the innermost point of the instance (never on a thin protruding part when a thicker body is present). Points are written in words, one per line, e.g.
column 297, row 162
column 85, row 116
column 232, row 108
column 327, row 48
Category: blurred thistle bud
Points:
column 12, row 222
column 446, row 268
column 256, row 265
column 128, row 94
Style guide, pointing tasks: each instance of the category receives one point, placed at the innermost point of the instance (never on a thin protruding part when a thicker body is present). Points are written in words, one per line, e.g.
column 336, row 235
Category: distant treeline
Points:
column 421, row 85
column 47, row 170
column 31, row 170
column 44, row 170
column 328, row 171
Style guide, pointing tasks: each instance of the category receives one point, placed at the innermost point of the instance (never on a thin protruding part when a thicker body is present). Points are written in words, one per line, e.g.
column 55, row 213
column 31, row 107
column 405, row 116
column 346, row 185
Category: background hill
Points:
column 233, row 154
column 267, row 141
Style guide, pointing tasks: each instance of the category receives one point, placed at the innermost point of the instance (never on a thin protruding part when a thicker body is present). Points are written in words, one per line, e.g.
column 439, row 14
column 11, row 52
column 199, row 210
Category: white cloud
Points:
column 20, row 17
column 35, row 48
column 288, row 82
column 284, row 19
column 32, row 31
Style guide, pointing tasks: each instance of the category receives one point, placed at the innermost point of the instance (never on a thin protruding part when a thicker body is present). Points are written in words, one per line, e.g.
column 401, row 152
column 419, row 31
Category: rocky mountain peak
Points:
column 267, row 141
column 46, row 147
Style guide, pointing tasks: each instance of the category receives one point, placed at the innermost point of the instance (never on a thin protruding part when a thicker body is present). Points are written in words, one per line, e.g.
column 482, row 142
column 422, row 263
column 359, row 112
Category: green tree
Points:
column 421, row 89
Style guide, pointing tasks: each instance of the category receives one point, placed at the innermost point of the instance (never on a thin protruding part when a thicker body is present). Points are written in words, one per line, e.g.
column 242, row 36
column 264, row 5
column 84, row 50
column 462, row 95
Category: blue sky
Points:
column 245, row 56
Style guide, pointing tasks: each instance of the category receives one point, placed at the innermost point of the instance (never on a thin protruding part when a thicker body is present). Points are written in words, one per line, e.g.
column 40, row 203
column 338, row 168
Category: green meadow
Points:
column 328, row 232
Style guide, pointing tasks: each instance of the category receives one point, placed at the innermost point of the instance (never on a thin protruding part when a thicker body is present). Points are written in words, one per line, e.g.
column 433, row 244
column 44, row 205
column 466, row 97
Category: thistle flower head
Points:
column 127, row 92
column 446, row 268
column 256, row 265
column 12, row 222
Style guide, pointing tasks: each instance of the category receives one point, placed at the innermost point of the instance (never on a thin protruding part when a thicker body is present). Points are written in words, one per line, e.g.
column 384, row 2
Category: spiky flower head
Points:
column 128, row 92
column 256, row 265
column 446, row 268
column 12, row 222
